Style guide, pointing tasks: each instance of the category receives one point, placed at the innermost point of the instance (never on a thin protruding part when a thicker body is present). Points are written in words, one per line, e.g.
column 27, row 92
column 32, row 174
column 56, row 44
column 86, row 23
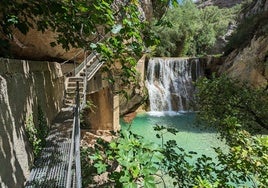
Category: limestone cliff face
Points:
column 24, row 85
column 257, row 6
column 147, row 8
column 35, row 45
column 219, row 3
column 250, row 62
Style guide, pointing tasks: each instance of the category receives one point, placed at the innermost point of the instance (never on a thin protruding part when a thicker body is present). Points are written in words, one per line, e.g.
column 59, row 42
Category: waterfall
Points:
column 170, row 83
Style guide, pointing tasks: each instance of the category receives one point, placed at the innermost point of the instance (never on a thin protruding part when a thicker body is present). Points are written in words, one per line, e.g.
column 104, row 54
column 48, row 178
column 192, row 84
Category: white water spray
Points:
column 170, row 83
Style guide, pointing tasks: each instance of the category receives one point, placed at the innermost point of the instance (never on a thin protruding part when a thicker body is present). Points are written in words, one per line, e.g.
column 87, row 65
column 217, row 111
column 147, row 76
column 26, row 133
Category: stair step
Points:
column 73, row 89
column 73, row 84
column 69, row 99
column 72, row 96
column 75, row 79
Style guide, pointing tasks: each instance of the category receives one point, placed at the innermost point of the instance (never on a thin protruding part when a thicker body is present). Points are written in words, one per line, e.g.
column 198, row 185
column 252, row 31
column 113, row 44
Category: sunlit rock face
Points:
column 219, row 3
column 147, row 8
column 256, row 7
column 35, row 45
column 250, row 62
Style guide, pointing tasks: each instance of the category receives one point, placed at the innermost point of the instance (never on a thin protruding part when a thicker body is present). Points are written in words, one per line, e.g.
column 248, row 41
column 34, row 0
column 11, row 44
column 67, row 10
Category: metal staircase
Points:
column 75, row 96
column 83, row 73
column 59, row 163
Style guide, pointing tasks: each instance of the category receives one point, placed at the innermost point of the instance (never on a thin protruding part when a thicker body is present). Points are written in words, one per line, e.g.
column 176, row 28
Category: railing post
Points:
column 77, row 140
column 75, row 147
column 70, row 164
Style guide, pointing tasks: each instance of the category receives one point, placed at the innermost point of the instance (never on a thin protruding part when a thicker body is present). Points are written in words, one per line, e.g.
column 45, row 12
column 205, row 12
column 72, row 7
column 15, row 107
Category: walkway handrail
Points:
column 84, row 63
column 93, row 55
column 74, row 158
column 74, row 174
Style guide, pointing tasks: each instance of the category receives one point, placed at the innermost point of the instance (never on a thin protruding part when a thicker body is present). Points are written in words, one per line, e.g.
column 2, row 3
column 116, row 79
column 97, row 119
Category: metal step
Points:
column 73, row 89
column 75, row 79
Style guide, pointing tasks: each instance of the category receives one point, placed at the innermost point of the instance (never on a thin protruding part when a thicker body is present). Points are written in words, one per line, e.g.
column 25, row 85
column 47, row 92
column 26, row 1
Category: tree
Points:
column 81, row 24
column 232, row 112
column 240, row 113
column 222, row 98
column 191, row 31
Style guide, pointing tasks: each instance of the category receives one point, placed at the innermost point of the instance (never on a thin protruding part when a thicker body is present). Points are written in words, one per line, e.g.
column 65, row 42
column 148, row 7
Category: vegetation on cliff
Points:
column 190, row 31
column 253, row 25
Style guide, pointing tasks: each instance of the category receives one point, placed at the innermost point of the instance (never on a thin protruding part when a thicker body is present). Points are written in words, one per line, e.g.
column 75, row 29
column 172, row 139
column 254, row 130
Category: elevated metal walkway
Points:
column 59, row 163
column 51, row 167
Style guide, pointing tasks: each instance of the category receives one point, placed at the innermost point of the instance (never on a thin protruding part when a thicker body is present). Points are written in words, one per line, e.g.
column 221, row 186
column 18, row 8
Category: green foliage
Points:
column 129, row 160
column 191, row 31
column 246, row 161
column 37, row 133
column 221, row 99
column 31, row 133
column 235, row 108
column 81, row 24
column 74, row 21
column 132, row 161
column 42, row 127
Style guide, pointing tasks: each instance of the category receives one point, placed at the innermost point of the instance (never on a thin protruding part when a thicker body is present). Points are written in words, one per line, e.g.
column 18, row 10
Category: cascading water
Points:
column 170, row 83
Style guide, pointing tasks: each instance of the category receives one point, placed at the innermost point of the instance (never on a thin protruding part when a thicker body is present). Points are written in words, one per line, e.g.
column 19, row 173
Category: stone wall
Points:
column 24, row 85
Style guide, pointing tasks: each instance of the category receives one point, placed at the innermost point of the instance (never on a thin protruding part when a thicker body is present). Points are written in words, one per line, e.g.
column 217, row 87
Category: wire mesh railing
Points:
column 74, row 178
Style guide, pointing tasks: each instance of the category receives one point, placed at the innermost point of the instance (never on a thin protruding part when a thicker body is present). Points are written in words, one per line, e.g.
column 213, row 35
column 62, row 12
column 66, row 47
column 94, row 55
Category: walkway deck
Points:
column 51, row 167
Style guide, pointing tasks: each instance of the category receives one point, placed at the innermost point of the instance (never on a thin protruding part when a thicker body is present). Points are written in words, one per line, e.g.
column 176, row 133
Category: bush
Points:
column 37, row 134
column 189, row 31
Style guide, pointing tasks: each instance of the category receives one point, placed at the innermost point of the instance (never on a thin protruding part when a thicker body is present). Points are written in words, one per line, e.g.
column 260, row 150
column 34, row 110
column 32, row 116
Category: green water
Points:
column 191, row 137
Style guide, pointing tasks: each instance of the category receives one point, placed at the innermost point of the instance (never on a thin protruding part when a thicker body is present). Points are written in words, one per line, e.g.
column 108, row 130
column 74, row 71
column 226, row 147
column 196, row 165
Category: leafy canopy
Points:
column 190, row 31
column 112, row 28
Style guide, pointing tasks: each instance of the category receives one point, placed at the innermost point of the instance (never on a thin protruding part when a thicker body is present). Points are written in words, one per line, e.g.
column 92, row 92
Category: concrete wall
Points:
column 105, row 114
column 97, row 83
column 24, row 85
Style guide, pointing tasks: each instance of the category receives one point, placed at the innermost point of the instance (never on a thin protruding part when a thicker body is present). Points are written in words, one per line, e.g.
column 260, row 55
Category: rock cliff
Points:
column 248, row 61
column 35, row 45
column 219, row 3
